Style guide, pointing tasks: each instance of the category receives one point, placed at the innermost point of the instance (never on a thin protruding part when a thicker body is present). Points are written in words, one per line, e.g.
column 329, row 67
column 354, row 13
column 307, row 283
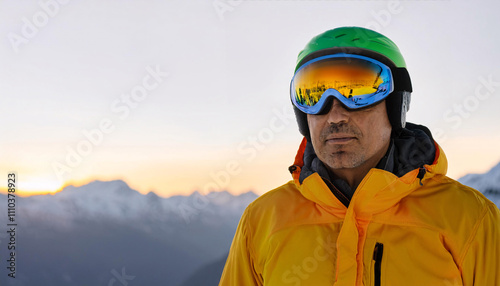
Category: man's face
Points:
column 344, row 139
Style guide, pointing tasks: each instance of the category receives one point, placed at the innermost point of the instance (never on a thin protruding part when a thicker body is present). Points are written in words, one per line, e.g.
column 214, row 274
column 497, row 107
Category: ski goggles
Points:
column 356, row 81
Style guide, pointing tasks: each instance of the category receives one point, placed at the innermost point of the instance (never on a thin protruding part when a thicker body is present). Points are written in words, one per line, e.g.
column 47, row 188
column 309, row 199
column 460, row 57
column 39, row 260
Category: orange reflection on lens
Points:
column 350, row 77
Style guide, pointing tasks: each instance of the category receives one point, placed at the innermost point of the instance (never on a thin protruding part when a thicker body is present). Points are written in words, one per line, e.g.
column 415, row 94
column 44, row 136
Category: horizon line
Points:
column 24, row 193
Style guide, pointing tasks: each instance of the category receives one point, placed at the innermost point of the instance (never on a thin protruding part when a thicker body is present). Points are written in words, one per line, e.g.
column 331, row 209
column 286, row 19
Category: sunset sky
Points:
column 177, row 96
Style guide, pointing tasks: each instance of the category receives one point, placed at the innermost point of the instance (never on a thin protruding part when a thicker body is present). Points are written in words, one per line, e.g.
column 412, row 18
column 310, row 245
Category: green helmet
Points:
column 361, row 41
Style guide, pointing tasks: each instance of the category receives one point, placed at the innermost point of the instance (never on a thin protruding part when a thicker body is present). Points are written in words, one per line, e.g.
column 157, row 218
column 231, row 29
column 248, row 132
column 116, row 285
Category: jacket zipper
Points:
column 377, row 257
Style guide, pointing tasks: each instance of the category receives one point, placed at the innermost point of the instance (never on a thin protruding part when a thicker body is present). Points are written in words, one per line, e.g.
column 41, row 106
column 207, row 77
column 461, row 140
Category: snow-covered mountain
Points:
column 487, row 183
column 115, row 200
column 85, row 235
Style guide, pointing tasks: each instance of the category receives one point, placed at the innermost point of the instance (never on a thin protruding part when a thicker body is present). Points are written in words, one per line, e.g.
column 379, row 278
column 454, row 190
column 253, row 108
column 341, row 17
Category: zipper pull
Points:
column 421, row 174
column 378, row 251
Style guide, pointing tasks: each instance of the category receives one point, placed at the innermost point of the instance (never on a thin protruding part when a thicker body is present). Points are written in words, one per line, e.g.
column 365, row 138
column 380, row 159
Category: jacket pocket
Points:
column 378, row 252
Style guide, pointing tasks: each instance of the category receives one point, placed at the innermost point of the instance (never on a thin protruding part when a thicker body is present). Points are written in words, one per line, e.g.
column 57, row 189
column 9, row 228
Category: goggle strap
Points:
column 347, row 50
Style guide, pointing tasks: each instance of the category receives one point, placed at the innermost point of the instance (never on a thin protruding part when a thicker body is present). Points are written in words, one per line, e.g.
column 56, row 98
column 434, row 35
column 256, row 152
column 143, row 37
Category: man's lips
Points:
column 340, row 139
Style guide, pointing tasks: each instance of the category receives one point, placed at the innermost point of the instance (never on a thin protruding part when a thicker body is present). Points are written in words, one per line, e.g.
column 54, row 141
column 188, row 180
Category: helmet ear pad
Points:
column 397, row 104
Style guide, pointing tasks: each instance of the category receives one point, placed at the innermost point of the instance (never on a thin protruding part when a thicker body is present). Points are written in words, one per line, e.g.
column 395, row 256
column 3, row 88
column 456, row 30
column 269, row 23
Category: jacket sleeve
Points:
column 240, row 264
column 481, row 264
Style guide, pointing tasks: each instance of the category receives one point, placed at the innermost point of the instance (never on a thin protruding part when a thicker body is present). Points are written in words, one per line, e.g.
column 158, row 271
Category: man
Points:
column 369, row 203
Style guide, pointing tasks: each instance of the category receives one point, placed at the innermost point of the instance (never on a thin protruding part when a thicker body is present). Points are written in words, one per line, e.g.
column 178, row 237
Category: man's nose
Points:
column 337, row 113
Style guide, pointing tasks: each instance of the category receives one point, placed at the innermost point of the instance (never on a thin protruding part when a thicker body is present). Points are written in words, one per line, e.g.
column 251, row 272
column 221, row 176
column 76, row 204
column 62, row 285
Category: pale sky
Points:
column 209, row 81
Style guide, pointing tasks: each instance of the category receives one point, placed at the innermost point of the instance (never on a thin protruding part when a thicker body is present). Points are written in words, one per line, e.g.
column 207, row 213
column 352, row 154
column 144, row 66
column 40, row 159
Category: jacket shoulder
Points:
column 450, row 208
column 279, row 202
column 282, row 208
column 443, row 205
column 468, row 199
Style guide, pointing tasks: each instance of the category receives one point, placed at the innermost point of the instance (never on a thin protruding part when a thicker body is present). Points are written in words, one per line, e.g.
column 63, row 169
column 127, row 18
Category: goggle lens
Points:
column 356, row 81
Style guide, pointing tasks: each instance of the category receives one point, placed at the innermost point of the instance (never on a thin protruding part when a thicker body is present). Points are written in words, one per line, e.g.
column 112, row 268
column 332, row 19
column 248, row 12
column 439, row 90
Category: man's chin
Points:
column 342, row 160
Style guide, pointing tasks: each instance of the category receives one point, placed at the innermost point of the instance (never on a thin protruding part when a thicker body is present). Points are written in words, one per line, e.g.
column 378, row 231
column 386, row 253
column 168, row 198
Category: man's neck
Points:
column 354, row 176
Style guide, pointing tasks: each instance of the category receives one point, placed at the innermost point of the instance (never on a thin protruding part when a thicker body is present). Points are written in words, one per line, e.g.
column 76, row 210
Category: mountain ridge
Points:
column 487, row 183
column 116, row 200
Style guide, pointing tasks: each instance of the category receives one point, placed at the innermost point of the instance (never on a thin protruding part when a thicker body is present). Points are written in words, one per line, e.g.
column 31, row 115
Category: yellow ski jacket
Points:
column 396, row 231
